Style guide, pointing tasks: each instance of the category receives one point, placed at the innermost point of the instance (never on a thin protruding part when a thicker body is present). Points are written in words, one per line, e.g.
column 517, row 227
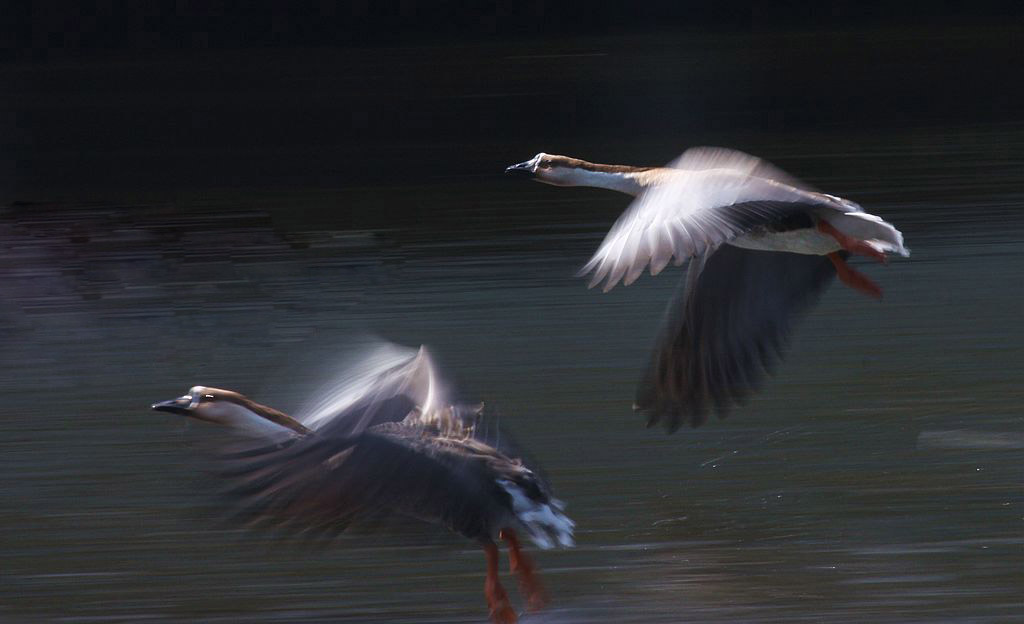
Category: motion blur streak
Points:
column 232, row 218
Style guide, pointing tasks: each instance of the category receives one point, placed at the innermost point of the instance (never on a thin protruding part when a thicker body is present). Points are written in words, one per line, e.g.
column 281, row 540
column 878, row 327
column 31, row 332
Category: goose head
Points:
column 202, row 403
column 549, row 169
column 231, row 409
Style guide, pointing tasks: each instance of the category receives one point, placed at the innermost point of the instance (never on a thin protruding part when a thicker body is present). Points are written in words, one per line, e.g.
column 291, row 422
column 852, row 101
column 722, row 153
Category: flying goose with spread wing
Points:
column 763, row 245
column 388, row 442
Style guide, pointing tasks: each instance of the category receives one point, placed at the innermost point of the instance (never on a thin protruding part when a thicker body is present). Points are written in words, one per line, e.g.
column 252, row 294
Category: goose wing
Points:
column 705, row 198
column 370, row 455
column 705, row 158
column 728, row 324
column 386, row 386
column 394, row 384
column 318, row 486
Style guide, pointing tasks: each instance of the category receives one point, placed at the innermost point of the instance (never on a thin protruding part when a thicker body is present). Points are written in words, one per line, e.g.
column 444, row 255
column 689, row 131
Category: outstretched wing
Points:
column 318, row 486
column 387, row 384
column 704, row 158
column 386, row 442
column 728, row 324
column 706, row 197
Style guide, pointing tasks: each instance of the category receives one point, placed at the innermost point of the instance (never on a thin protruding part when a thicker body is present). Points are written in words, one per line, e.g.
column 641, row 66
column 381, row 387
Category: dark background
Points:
column 318, row 94
column 231, row 194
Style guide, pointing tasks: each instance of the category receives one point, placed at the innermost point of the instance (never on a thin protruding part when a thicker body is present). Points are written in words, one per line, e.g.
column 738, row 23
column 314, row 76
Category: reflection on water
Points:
column 877, row 477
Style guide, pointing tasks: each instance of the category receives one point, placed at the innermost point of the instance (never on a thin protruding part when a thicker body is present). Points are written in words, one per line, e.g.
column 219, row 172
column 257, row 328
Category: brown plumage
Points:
column 387, row 442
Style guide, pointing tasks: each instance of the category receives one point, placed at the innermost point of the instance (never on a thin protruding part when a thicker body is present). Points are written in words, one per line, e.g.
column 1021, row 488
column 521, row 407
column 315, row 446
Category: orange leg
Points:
column 529, row 585
column 497, row 599
column 851, row 244
column 854, row 279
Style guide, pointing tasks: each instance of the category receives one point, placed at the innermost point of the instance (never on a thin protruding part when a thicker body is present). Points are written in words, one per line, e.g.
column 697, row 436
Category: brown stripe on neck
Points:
column 269, row 413
column 576, row 163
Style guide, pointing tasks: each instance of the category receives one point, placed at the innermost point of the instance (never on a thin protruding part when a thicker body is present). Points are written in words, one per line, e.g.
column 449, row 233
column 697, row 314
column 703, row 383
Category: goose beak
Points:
column 180, row 405
column 523, row 169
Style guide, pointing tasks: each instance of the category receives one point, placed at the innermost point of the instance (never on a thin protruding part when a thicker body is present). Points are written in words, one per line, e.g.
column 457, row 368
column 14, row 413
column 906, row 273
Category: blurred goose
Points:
column 764, row 247
column 388, row 442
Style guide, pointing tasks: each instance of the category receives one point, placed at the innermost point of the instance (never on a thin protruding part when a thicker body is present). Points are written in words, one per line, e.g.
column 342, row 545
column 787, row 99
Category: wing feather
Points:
column 325, row 484
column 728, row 324
column 704, row 158
column 388, row 383
column 707, row 197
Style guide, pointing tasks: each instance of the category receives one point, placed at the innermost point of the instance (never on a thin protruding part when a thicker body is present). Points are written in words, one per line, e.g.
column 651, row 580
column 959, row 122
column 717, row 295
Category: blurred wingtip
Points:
column 595, row 279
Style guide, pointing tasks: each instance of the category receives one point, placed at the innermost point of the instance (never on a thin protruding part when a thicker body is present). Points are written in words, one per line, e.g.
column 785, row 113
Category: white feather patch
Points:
column 545, row 523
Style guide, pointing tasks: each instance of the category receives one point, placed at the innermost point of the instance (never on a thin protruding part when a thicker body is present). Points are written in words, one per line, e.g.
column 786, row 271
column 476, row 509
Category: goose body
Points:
column 387, row 443
column 763, row 247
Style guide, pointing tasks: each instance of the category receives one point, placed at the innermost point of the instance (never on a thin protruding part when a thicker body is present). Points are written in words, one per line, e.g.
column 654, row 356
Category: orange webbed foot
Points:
column 502, row 611
column 497, row 600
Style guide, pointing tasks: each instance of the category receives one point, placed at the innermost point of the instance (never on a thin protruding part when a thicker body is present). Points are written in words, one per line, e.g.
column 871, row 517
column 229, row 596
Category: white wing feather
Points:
column 357, row 401
column 706, row 197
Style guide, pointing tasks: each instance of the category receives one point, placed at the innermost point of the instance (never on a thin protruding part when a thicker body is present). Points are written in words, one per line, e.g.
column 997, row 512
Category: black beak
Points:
column 181, row 405
column 523, row 169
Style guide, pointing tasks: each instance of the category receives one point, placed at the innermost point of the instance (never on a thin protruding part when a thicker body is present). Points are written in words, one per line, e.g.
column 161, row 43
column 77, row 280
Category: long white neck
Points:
column 628, row 182
column 240, row 418
column 250, row 422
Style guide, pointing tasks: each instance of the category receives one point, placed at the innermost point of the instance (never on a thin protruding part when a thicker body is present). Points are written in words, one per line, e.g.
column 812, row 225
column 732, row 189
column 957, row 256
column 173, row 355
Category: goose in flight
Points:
column 763, row 245
column 387, row 442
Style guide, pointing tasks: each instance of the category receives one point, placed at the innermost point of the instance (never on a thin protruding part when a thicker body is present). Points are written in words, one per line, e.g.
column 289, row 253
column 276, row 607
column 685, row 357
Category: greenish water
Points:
column 876, row 478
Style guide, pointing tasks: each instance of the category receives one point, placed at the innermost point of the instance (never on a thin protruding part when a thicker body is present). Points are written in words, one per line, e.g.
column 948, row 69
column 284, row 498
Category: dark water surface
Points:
column 876, row 478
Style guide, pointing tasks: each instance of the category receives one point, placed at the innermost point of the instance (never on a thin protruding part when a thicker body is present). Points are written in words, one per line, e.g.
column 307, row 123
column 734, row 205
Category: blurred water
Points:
column 877, row 477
